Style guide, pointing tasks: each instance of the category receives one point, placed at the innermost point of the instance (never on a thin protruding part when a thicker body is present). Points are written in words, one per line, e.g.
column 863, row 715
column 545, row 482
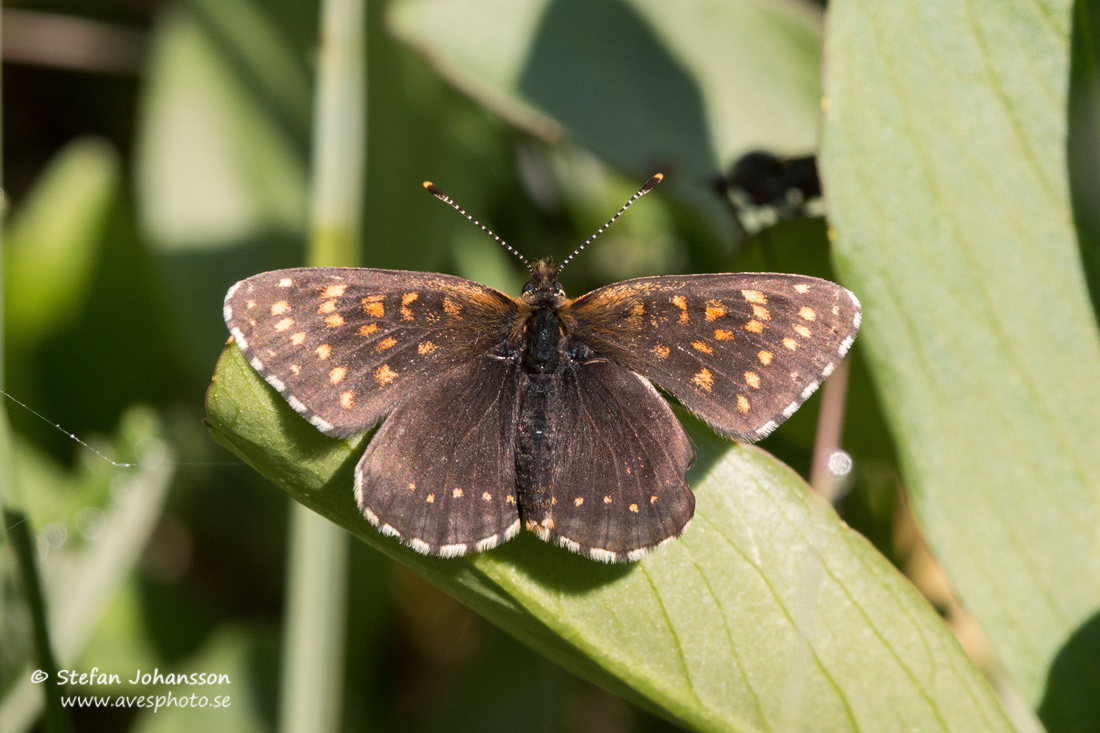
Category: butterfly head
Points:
column 543, row 289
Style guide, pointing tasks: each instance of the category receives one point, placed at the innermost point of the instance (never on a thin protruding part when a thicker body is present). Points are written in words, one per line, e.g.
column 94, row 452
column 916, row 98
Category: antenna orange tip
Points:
column 427, row 184
column 659, row 176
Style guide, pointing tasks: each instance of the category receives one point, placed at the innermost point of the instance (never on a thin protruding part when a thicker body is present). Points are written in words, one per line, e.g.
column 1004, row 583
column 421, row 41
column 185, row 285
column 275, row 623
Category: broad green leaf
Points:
column 49, row 259
column 768, row 614
column 220, row 156
column 945, row 168
column 647, row 85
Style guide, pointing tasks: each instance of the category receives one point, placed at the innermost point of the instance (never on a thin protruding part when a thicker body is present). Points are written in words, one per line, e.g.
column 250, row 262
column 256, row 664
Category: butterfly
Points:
column 542, row 411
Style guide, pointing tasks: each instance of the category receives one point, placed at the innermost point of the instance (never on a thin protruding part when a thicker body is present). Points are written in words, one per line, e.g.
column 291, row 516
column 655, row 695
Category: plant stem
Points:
column 312, row 679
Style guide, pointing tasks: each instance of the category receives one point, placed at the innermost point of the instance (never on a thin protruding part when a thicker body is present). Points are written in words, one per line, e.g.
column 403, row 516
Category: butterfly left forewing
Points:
column 344, row 346
column 741, row 351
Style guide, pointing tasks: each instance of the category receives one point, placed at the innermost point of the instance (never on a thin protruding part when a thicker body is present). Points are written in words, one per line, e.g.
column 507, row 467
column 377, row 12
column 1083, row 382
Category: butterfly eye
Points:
column 528, row 287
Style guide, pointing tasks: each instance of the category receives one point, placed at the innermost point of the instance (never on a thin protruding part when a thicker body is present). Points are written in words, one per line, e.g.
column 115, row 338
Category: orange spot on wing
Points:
column 386, row 343
column 457, row 493
column 373, row 306
column 486, row 496
column 334, row 321
column 430, row 499
column 333, row 291
column 703, row 379
column 578, row 501
column 765, row 357
column 284, row 324
column 347, row 400
column 426, row 348
column 661, row 351
column 323, row 351
column 802, row 288
column 337, row 375
column 286, row 282
column 790, row 343
column 761, row 312
column 807, row 313
column 755, row 296
column 681, row 302
column 700, row 346
column 368, row 329
column 298, row 338
column 715, row 309
column 406, row 300
column 452, row 308
column 280, row 307
column 802, row 330
column 634, row 508
column 742, row 403
column 329, row 306
column 754, row 327
column 722, row 335
column 384, row 375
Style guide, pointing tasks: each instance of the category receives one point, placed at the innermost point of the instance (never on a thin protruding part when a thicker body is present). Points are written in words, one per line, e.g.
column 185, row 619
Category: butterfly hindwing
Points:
column 619, row 459
column 440, row 471
column 343, row 345
column 741, row 351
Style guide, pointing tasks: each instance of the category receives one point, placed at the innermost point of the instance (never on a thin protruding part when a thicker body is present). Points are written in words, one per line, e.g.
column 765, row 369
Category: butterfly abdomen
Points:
column 541, row 361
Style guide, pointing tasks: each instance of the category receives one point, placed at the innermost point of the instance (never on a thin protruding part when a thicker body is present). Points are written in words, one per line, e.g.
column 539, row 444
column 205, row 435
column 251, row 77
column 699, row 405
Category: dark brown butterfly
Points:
column 539, row 408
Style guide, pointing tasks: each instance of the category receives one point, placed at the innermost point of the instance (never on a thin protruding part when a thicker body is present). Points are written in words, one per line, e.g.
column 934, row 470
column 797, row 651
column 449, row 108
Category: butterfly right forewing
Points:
column 742, row 351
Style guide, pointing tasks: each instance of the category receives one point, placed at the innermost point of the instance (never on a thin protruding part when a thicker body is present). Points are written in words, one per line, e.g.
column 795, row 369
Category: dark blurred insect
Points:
column 762, row 188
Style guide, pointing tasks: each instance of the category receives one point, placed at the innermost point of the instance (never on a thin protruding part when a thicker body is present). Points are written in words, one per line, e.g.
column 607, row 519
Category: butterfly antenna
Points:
column 649, row 186
column 434, row 191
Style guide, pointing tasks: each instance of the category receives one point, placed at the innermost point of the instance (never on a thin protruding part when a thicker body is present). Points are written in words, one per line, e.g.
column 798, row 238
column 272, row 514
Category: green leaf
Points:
column 647, row 85
column 221, row 156
column 769, row 613
column 50, row 259
column 944, row 162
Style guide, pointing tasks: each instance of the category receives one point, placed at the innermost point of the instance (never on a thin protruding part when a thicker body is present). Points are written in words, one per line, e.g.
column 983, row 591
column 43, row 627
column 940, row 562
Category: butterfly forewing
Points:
column 345, row 346
column 741, row 351
column 618, row 487
column 440, row 473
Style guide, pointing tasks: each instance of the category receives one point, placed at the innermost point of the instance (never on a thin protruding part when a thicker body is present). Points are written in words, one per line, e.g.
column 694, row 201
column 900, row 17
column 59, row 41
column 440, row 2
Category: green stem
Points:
column 312, row 680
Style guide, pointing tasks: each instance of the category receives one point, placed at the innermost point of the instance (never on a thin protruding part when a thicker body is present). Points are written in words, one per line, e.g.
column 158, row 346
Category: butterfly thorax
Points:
column 543, row 333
